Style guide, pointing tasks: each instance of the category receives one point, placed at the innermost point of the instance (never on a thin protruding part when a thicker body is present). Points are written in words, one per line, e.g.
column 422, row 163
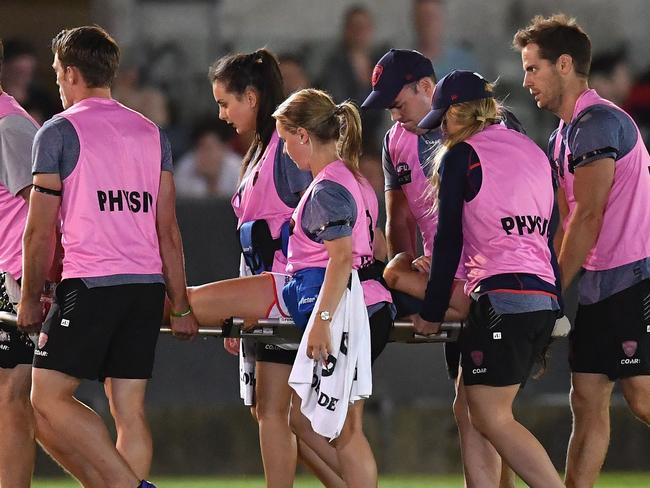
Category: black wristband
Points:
column 47, row 191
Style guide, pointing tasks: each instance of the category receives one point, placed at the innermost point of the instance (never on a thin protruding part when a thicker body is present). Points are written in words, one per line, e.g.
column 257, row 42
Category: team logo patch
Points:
column 477, row 357
column 629, row 348
column 376, row 74
column 403, row 173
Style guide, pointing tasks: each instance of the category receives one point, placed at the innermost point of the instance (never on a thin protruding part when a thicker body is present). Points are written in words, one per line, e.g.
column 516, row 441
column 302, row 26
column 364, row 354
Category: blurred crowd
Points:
column 207, row 153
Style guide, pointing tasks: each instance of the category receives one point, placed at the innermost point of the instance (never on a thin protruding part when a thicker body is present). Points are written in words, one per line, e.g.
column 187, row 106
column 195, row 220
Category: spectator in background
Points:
column 18, row 72
column 348, row 68
column 610, row 76
column 211, row 167
column 429, row 24
column 638, row 105
column 148, row 100
column 293, row 73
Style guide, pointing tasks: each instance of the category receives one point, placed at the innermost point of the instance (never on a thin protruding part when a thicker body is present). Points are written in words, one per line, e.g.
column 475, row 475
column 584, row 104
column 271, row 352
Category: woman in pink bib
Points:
column 332, row 235
column 495, row 199
column 248, row 88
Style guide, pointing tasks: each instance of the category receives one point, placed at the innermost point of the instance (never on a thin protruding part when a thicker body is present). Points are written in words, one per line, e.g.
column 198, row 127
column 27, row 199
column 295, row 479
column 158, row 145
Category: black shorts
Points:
column 15, row 347
column 452, row 359
column 104, row 332
column 381, row 323
column 612, row 337
column 500, row 350
column 270, row 353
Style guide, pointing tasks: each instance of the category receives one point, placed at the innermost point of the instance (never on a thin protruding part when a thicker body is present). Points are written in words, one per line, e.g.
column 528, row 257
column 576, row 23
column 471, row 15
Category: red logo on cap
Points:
column 376, row 73
column 454, row 98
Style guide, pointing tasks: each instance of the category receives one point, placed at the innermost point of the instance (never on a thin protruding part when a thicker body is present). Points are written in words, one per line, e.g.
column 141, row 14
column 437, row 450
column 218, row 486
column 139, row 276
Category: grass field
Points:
column 611, row 480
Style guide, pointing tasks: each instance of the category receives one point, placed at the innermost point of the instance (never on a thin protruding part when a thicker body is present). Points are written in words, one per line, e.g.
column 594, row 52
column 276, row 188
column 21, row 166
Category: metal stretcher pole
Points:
column 283, row 330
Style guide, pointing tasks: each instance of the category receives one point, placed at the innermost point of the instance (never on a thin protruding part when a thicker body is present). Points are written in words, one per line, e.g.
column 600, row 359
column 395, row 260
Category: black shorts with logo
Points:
column 270, row 353
column 15, row 347
column 612, row 337
column 104, row 332
column 500, row 350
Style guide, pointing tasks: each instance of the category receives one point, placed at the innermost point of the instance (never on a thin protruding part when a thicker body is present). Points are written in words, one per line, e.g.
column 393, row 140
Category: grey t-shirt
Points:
column 330, row 213
column 56, row 151
column 16, row 138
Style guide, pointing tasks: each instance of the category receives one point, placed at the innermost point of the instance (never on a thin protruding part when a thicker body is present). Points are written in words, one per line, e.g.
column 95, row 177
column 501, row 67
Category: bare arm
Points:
column 591, row 186
column 171, row 253
column 337, row 274
column 400, row 225
column 38, row 249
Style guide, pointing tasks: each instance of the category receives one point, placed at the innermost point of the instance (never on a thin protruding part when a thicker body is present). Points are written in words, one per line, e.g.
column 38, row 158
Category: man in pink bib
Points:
column 104, row 172
column 603, row 170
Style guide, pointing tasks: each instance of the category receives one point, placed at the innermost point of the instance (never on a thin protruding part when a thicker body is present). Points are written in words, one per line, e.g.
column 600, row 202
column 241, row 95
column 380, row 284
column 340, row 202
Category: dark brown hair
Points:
column 557, row 35
column 92, row 51
column 258, row 70
column 315, row 111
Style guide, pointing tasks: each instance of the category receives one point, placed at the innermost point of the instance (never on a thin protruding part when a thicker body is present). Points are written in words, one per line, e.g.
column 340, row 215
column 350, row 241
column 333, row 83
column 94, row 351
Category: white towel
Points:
column 246, row 355
column 247, row 371
column 327, row 393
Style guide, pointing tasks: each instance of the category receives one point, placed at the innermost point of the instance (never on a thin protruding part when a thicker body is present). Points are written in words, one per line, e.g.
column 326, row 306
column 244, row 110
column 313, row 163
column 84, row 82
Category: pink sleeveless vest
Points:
column 505, row 227
column 13, row 209
column 305, row 253
column 625, row 235
column 259, row 200
column 403, row 150
column 108, row 208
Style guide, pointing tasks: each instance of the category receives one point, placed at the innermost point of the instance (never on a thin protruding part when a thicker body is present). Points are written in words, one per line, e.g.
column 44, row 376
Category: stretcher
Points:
column 278, row 331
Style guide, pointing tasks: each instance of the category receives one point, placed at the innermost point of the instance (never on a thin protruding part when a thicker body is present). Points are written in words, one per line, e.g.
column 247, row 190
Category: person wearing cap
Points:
column 403, row 82
column 495, row 199
column 603, row 168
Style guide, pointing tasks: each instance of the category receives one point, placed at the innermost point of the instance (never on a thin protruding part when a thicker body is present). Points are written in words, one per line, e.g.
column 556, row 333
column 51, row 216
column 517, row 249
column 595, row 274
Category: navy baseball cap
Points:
column 396, row 68
column 456, row 87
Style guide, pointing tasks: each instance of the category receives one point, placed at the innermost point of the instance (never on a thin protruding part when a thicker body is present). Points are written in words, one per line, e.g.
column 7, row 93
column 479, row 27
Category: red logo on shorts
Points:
column 477, row 357
column 629, row 348
column 376, row 73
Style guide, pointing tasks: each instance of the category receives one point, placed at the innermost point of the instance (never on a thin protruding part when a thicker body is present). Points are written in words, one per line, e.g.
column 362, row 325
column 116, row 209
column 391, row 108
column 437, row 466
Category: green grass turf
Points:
column 611, row 480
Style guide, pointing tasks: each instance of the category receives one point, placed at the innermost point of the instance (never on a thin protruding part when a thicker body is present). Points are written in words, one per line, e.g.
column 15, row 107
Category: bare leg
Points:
column 491, row 413
column 72, row 462
column 590, row 397
column 401, row 277
column 277, row 442
column 126, row 400
column 17, row 446
column 355, row 455
column 637, row 394
column 314, row 450
column 318, row 467
column 481, row 461
column 73, row 427
column 249, row 298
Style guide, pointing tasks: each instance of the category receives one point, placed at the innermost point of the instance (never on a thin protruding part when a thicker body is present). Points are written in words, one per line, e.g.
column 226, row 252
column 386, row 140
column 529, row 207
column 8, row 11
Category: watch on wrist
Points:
column 325, row 315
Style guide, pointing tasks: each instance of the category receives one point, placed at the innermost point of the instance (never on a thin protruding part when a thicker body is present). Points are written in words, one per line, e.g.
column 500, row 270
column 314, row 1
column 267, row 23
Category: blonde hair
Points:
column 473, row 117
column 315, row 111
